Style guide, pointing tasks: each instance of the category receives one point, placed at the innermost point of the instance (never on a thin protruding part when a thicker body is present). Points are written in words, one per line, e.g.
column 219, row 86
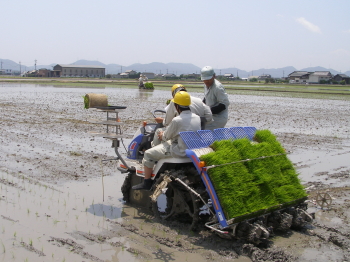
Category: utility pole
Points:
column 1, row 64
column 35, row 64
column 20, row 68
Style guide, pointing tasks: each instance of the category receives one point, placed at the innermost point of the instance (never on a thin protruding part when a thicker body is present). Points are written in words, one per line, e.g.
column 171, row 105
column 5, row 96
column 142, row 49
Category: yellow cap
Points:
column 176, row 88
column 182, row 98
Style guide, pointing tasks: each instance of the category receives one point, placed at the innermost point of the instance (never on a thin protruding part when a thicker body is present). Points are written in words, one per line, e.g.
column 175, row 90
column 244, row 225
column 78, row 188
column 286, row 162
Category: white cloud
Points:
column 308, row 25
column 279, row 15
column 346, row 31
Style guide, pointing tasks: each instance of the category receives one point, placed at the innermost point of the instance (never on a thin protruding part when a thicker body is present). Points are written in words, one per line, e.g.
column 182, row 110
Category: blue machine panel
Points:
column 223, row 133
column 134, row 146
column 239, row 132
column 250, row 131
column 207, row 136
column 192, row 139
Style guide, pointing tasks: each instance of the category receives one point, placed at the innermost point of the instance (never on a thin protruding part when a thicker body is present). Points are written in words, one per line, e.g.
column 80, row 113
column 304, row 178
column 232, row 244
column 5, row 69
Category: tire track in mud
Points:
column 74, row 247
column 5, row 181
column 30, row 248
column 228, row 250
column 271, row 251
column 96, row 238
column 333, row 235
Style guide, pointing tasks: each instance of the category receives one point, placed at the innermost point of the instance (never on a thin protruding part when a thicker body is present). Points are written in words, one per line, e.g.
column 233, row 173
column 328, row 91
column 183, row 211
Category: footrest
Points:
column 133, row 164
column 122, row 170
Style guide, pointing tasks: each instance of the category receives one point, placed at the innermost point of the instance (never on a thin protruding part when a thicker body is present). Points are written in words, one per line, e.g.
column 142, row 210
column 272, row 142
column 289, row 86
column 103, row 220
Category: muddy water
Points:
column 56, row 207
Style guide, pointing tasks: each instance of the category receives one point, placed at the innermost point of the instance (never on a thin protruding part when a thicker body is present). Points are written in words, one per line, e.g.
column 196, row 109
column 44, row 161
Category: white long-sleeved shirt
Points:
column 186, row 121
column 197, row 107
column 215, row 95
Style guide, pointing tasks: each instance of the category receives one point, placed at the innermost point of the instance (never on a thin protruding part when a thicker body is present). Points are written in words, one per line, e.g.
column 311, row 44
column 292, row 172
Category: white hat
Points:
column 207, row 73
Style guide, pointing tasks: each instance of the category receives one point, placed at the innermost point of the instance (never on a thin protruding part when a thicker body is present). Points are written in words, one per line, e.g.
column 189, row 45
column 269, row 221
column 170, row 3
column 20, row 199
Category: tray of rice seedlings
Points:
column 265, row 181
column 149, row 85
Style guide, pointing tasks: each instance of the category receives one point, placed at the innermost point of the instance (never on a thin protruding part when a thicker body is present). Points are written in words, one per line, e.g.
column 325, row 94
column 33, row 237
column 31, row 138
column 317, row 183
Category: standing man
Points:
column 215, row 97
column 141, row 84
column 172, row 145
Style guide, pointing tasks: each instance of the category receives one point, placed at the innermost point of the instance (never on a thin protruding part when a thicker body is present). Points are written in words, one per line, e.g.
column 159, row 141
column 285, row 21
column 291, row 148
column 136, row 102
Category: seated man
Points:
column 173, row 145
column 197, row 107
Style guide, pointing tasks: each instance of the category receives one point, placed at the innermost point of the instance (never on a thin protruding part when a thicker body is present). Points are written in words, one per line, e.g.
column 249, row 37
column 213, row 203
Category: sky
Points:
column 245, row 34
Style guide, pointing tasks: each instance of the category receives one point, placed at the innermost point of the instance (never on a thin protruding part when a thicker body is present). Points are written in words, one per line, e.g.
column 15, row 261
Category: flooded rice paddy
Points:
column 59, row 201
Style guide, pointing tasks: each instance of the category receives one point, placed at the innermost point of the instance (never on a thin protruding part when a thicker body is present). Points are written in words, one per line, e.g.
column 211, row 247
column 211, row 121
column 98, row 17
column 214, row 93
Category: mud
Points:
column 59, row 201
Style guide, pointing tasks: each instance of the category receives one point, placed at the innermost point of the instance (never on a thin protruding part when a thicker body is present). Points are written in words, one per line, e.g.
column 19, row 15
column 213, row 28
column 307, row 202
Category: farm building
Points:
column 5, row 71
column 264, row 76
column 316, row 77
column 299, row 77
column 78, row 71
column 130, row 72
column 252, row 77
column 341, row 77
column 148, row 75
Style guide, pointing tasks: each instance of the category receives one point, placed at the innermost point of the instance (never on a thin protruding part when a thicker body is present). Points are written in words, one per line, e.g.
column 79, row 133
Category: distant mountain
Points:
column 173, row 68
column 87, row 62
column 274, row 72
column 161, row 68
column 9, row 64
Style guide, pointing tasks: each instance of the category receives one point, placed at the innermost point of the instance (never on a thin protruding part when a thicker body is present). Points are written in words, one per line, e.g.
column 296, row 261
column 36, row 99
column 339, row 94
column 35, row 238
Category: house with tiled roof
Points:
column 149, row 75
column 299, row 77
column 318, row 76
column 341, row 77
column 264, row 76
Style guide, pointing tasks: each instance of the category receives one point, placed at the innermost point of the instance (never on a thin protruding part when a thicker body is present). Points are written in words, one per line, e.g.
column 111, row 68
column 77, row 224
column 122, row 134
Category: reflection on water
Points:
column 144, row 94
column 67, row 86
column 107, row 211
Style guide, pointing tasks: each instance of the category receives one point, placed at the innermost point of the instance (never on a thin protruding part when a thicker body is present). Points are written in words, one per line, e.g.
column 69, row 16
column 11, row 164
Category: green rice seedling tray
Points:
column 245, row 178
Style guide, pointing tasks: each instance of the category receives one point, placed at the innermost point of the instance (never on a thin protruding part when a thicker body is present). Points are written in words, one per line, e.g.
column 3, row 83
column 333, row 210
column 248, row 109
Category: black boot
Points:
column 146, row 185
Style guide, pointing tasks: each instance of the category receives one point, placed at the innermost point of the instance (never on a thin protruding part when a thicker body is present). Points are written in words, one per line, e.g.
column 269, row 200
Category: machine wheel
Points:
column 139, row 198
column 323, row 200
column 126, row 188
column 176, row 202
